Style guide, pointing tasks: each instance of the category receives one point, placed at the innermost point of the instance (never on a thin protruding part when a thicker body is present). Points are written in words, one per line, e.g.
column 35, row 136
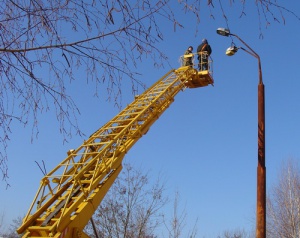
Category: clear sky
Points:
column 205, row 144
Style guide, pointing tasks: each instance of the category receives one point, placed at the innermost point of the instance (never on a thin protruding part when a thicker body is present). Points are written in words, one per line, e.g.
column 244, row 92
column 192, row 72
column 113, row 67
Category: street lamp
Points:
column 261, row 168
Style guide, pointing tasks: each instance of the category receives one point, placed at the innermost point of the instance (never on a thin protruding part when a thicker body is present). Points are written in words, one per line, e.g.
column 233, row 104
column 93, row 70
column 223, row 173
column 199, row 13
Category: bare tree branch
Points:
column 132, row 206
column 283, row 203
column 43, row 44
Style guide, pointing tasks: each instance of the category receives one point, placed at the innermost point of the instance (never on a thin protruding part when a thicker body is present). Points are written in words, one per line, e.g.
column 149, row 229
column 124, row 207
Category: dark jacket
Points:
column 204, row 47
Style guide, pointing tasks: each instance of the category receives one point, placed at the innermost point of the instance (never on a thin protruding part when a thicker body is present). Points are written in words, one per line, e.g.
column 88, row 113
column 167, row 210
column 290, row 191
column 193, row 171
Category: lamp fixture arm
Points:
column 253, row 53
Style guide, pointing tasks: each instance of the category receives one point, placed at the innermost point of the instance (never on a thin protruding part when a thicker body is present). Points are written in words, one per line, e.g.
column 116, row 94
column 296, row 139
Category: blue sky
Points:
column 205, row 144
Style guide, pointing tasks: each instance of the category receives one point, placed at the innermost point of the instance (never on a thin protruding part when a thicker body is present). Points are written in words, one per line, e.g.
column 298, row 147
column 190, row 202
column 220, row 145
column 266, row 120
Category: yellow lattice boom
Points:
column 69, row 194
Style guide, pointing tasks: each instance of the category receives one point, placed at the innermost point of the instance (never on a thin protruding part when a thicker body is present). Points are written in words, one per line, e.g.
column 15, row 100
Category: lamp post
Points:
column 261, row 168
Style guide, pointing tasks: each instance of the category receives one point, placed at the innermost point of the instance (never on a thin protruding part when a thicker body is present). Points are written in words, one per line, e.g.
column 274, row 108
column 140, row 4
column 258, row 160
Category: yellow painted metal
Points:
column 69, row 195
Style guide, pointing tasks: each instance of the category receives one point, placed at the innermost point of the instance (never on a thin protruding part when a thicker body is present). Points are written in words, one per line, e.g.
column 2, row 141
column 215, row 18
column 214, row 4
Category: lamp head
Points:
column 223, row 31
column 231, row 50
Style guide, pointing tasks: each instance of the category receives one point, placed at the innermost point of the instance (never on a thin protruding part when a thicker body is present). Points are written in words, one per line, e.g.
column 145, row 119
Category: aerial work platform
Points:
column 195, row 78
column 197, row 74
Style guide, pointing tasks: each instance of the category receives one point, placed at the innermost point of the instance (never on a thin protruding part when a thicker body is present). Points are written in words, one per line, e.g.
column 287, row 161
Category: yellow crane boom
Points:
column 69, row 194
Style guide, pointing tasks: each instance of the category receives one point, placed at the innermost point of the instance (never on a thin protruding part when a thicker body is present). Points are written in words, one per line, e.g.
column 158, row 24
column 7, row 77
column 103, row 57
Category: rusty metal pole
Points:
column 261, row 168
